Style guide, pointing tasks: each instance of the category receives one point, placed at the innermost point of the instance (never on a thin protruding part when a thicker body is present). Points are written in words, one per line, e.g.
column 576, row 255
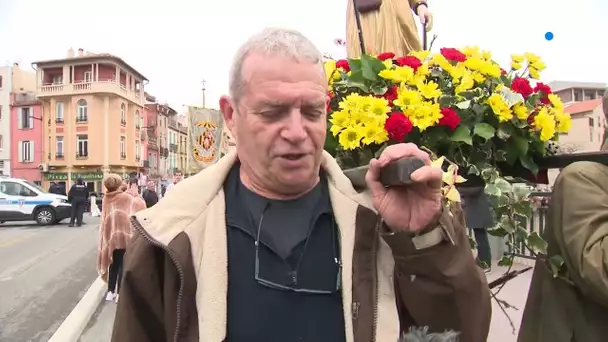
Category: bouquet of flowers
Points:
column 461, row 107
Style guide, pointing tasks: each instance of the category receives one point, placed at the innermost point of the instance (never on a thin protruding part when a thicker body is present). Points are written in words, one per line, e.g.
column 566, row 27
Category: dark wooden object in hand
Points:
column 399, row 173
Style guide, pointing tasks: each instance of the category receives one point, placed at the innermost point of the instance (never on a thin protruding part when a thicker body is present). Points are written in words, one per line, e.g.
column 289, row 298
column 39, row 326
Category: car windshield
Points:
column 34, row 185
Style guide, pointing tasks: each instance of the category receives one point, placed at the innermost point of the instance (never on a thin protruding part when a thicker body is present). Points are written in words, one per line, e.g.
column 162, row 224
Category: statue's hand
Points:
column 426, row 18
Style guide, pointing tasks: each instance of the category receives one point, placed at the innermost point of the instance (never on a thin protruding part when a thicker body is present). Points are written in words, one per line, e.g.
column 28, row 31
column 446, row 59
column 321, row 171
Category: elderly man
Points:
column 150, row 195
column 272, row 243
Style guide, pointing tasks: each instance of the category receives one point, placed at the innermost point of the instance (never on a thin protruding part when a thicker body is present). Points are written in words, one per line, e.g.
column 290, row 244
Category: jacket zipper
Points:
column 180, row 271
column 375, row 258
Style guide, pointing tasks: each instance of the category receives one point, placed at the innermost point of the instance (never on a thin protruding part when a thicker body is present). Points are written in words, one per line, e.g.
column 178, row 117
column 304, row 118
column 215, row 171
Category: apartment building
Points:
column 160, row 131
column 182, row 147
column 92, row 105
column 12, row 79
column 26, row 137
column 152, row 132
column 173, row 135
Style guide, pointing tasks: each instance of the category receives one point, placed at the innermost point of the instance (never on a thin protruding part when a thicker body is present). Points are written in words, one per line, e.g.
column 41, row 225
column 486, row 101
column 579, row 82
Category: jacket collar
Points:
column 189, row 199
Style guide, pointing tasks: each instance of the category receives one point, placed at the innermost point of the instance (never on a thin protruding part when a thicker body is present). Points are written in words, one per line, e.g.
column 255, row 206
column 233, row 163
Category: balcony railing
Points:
column 59, row 121
column 82, row 119
column 82, row 155
column 59, row 155
column 173, row 148
column 106, row 86
column 123, row 122
column 146, row 163
column 123, row 156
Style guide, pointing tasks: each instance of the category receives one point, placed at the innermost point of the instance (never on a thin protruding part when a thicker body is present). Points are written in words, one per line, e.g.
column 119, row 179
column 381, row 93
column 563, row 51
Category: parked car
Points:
column 21, row 200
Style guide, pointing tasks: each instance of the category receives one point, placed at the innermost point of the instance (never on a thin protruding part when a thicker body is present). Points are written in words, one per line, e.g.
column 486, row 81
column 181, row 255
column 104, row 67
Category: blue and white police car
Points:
column 21, row 200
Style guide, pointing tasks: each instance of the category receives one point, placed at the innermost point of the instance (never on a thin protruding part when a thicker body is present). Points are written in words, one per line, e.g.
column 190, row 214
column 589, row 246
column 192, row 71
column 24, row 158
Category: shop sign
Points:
column 88, row 176
column 57, row 176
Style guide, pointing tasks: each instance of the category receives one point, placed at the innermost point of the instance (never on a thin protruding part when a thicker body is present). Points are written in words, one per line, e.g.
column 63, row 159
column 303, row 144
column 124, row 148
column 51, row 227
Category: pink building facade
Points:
column 26, row 144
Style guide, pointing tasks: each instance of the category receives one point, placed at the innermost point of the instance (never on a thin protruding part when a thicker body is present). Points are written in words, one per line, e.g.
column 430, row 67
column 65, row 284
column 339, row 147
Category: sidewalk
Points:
column 514, row 292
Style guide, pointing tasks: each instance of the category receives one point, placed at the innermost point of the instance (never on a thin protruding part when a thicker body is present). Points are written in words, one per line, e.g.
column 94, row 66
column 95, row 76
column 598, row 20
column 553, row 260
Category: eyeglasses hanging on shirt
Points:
column 294, row 273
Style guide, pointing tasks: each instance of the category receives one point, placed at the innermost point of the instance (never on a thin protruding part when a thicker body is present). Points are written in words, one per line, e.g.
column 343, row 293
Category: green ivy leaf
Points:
column 492, row 190
column 536, row 243
column 462, row 134
column 503, row 185
column 479, row 109
column 556, row 263
column 505, row 261
column 497, row 231
column 354, row 64
column 521, row 144
column 484, row 130
column 447, row 101
column 464, row 104
column 473, row 170
column 505, row 131
column 379, row 89
column 529, row 164
column 371, row 67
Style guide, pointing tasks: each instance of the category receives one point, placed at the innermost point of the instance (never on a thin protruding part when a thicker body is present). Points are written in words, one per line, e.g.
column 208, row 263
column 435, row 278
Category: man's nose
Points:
column 294, row 130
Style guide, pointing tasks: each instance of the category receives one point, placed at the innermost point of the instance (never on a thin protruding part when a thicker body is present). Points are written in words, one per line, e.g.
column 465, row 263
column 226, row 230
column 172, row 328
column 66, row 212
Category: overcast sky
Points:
column 178, row 43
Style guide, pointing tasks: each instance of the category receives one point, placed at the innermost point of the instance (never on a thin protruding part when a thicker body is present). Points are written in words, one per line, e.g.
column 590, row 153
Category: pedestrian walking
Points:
column 78, row 197
column 178, row 176
column 273, row 243
column 479, row 217
column 150, row 195
column 115, row 232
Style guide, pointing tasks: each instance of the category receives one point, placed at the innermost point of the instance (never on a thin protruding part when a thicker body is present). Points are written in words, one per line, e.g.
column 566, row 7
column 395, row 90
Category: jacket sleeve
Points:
column 579, row 218
column 139, row 316
column 438, row 283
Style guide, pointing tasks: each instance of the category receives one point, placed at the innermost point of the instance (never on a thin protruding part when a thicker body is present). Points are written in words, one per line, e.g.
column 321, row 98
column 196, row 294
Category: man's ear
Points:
column 229, row 112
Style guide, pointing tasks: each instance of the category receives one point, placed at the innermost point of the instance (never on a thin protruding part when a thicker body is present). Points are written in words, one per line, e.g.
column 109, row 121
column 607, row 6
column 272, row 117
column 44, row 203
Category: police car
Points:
column 21, row 200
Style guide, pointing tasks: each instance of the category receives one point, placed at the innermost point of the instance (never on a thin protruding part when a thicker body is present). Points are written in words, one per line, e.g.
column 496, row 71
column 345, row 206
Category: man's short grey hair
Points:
column 277, row 42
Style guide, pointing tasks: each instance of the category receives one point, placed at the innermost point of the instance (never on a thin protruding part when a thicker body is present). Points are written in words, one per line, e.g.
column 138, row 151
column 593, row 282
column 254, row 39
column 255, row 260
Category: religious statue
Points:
column 386, row 26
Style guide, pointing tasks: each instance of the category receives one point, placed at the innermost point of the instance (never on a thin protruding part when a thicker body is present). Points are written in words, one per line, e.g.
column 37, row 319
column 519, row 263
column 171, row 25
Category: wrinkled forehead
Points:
column 283, row 80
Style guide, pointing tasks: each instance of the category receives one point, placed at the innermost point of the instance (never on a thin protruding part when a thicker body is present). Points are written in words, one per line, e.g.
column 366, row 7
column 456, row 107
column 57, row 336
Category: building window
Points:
column 590, row 122
column 1, row 142
column 88, row 76
column 0, row 82
column 26, row 119
column 82, row 111
column 137, row 119
column 57, row 79
column 0, row 111
column 26, row 151
column 123, row 152
column 59, row 148
column 137, row 149
column 59, row 112
column 123, row 115
column 82, row 145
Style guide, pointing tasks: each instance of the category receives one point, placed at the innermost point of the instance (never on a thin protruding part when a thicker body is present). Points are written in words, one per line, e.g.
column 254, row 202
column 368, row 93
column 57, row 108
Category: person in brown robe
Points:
column 386, row 25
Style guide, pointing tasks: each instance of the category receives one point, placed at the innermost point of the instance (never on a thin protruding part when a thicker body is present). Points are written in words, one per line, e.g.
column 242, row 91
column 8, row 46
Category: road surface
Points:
column 44, row 271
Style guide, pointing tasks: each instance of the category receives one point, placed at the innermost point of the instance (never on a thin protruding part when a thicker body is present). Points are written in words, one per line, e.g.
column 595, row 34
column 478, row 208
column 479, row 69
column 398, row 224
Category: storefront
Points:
column 93, row 180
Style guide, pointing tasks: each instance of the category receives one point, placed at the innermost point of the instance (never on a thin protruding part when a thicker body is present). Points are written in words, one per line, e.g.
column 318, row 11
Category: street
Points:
column 44, row 272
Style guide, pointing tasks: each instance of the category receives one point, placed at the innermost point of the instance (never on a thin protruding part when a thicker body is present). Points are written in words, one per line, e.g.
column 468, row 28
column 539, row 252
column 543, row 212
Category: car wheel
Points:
column 44, row 216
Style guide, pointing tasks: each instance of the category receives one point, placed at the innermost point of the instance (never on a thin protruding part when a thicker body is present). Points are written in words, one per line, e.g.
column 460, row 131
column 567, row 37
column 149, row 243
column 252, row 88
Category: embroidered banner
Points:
column 205, row 128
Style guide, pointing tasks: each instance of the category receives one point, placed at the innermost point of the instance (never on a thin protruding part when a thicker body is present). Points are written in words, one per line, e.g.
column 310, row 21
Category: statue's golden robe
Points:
column 391, row 28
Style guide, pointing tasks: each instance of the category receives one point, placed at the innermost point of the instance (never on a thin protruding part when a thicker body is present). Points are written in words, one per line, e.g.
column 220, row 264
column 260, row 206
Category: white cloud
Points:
column 179, row 42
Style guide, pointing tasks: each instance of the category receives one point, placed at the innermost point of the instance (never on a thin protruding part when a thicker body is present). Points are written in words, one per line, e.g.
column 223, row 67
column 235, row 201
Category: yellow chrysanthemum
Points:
column 423, row 115
column 545, row 124
column 350, row 138
column 374, row 132
column 500, row 107
column 564, row 121
column 398, row 74
column 407, row 97
column 556, row 102
column 430, row 90
column 521, row 111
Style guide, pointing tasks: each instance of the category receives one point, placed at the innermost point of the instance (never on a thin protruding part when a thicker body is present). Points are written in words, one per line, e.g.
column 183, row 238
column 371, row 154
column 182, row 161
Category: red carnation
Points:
column 522, row 86
column 453, row 54
column 343, row 63
column 386, row 55
column 398, row 126
column 391, row 95
column 542, row 88
column 503, row 71
column 450, row 118
column 330, row 96
column 411, row 61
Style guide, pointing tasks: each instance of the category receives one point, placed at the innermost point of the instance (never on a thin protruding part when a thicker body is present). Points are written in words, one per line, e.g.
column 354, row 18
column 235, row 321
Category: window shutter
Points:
column 20, row 144
column 20, row 119
column 32, row 151
column 31, row 118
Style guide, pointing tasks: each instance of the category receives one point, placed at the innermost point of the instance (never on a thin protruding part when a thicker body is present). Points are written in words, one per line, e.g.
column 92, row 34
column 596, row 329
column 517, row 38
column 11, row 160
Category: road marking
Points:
column 14, row 240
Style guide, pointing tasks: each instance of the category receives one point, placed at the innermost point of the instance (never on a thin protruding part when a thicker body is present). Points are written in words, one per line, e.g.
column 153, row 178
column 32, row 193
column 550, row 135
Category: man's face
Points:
column 279, row 122
column 178, row 177
column 150, row 186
